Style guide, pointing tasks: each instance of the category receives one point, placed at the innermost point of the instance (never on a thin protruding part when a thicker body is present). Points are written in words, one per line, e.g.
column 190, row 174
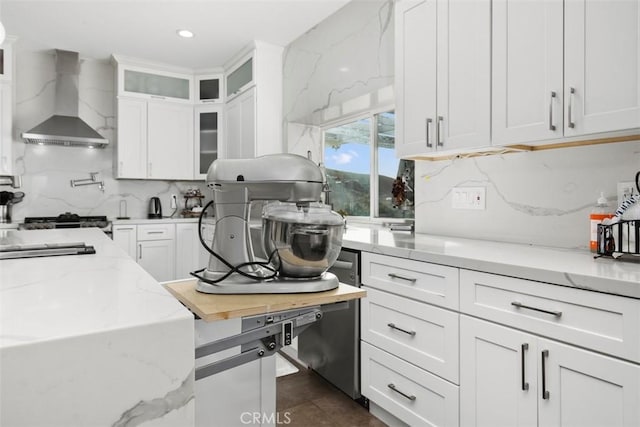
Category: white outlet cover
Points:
column 469, row 198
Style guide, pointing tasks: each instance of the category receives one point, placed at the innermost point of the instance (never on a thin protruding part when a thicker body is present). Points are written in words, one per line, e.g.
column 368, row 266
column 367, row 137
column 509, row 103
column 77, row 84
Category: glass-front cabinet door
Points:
column 154, row 84
column 240, row 78
column 208, row 137
column 209, row 89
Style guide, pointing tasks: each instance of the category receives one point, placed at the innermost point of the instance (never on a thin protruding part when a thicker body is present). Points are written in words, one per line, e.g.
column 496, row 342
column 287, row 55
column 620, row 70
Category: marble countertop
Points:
column 567, row 267
column 132, row 221
column 65, row 296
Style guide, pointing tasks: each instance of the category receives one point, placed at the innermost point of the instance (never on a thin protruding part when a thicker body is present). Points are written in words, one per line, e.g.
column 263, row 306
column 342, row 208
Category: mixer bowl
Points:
column 306, row 243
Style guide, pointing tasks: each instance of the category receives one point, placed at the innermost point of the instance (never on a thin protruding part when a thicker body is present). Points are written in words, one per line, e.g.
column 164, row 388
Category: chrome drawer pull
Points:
column 155, row 232
column 525, row 384
column 545, row 392
column 393, row 326
column 428, row 136
column 551, row 125
column 541, row 310
column 393, row 387
column 395, row 276
column 572, row 124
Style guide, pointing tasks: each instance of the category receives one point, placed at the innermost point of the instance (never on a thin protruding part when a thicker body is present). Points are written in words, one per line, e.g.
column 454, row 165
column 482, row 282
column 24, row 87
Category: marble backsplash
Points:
column 47, row 170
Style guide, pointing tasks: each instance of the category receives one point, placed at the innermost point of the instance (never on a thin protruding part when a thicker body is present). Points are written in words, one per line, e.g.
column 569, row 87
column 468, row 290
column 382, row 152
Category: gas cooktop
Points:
column 65, row 220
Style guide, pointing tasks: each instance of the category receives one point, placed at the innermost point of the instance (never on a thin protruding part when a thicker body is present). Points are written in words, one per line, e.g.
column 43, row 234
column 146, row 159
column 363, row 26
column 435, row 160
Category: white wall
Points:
column 47, row 170
column 539, row 198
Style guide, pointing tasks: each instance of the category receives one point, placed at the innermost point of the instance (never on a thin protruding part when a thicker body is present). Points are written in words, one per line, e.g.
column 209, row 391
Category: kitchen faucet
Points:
column 14, row 181
column 88, row 181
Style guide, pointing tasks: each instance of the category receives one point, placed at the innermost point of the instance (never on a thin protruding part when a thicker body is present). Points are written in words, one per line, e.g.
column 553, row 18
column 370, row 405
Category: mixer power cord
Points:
column 232, row 268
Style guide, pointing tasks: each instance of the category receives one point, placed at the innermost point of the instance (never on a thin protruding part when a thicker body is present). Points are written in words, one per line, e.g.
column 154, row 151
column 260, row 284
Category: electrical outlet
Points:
column 626, row 189
column 468, row 198
column 174, row 201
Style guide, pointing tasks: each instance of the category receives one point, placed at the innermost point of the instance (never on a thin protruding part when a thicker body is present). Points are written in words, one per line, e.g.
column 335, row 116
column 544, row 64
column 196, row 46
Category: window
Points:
column 364, row 176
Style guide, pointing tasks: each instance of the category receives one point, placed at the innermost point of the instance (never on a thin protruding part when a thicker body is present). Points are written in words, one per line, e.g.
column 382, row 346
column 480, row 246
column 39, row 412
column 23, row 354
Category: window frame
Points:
column 374, row 202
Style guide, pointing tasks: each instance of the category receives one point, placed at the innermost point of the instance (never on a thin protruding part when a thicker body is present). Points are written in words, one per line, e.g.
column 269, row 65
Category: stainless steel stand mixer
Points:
column 301, row 237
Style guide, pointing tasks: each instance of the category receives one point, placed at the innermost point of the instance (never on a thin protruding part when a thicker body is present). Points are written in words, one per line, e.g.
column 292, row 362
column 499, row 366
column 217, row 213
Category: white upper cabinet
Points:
column 170, row 141
column 153, row 82
column 209, row 88
column 6, row 106
column 209, row 134
column 415, row 55
column 155, row 140
column 443, row 75
column 527, row 63
column 602, row 65
column 253, row 115
column 131, row 148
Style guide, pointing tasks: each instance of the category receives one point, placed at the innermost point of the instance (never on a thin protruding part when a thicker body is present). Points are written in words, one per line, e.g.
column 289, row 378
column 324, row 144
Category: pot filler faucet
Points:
column 235, row 184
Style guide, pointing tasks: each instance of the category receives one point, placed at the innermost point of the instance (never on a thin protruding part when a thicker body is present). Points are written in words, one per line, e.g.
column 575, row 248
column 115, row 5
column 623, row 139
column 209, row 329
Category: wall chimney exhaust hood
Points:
column 65, row 127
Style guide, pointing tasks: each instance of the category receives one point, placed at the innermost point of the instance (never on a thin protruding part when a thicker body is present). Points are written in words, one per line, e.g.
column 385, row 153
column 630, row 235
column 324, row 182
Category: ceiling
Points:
column 146, row 29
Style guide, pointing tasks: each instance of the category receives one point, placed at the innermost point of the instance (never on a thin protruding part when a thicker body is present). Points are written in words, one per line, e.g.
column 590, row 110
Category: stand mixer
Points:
column 301, row 237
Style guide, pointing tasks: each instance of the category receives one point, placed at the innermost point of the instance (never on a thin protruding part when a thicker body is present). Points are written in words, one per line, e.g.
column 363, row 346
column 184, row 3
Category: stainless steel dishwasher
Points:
column 331, row 347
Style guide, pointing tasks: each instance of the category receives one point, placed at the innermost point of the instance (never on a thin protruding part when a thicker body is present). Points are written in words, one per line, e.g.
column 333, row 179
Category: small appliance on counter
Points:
column 302, row 238
column 155, row 208
column 7, row 200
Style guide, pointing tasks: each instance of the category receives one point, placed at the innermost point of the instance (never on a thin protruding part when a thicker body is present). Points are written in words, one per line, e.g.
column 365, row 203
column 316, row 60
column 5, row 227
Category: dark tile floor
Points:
column 308, row 400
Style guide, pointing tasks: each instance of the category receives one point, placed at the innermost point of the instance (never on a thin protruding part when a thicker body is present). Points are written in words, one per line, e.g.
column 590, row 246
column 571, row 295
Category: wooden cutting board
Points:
column 211, row 307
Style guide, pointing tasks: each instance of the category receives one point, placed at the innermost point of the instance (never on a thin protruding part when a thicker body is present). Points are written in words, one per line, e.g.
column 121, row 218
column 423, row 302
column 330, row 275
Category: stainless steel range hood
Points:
column 65, row 127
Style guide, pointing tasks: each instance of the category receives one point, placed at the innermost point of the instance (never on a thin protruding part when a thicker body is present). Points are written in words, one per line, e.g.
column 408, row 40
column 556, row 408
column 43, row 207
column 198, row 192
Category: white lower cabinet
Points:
column 126, row 237
column 409, row 347
column 157, row 257
column 413, row 395
column 512, row 378
column 188, row 250
column 240, row 396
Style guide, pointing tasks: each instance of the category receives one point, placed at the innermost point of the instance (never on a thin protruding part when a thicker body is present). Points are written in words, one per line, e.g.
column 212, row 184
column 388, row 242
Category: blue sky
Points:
column 355, row 158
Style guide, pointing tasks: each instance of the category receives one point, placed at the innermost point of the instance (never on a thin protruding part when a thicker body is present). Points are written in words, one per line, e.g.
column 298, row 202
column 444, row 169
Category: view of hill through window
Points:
column 361, row 165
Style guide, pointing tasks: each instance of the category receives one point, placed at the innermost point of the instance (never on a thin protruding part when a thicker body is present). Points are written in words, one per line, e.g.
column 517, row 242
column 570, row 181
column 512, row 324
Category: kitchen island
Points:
column 90, row 339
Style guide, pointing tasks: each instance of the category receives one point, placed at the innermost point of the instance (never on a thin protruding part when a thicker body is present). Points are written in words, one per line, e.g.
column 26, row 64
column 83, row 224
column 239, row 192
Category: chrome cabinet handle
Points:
column 155, row 232
column 572, row 91
column 393, row 326
column 541, row 310
column 525, row 384
column 551, row 125
column 140, row 250
column 393, row 387
column 157, row 97
column 545, row 392
column 440, row 131
column 124, row 228
column 396, row 276
column 428, row 129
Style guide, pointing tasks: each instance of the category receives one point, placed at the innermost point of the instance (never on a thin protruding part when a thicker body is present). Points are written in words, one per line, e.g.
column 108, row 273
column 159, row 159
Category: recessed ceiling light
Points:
column 185, row 33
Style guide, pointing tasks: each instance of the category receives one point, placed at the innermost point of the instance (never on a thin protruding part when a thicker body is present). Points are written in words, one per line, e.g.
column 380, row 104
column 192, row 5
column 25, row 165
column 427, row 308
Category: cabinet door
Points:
column 6, row 160
column 240, row 129
column 415, row 61
column 187, row 250
column 602, row 65
column 209, row 89
column 132, row 138
column 527, row 58
column 498, row 380
column 208, row 137
column 125, row 237
column 464, row 74
column 586, row 389
column 170, row 141
column 157, row 257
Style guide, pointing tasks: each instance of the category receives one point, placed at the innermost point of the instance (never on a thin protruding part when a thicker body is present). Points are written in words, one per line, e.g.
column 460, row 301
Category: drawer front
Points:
column 432, row 283
column 411, row 394
column 156, row 231
column 602, row 322
column 419, row 333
